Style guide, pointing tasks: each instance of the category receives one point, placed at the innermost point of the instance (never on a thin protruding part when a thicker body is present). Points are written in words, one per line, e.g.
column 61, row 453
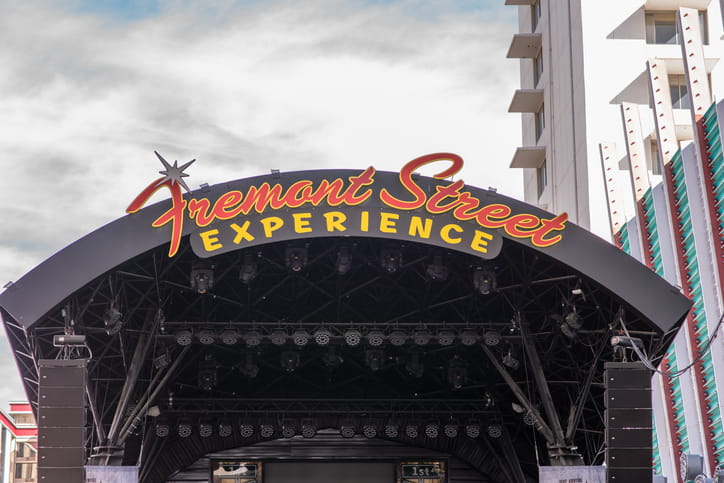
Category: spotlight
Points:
column 491, row 338
column 113, row 320
column 206, row 429
column 621, row 341
column 250, row 368
column 206, row 336
column 184, row 429
column 207, row 377
column 225, row 429
column 352, row 337
column 300, row 337
column 391, row 260
column 369, row 429
column 290, row 361
column 451, row 429
column 573, row 319
column 529, row 419
column 398, row 337
column 392, row 429
column 247, row 430
column 432, row 429
column 184, row 337
column 421, row 337
column 162, row 428
column 457, row 374
column 437, row 270
column 414, row 366
column 517, row 408
column 309, row 428
column 229, row 337
column 494, row 431
column 411, row 430
column 162, row 361
column 322, row 336
column 296, row 258
column 446, row 337
column 375, row 338
column 331, row 359
column 468, row 337
column 484, row 280
column 344, row 260
column 202, row 276
column 278, row 337
column 510, row 361
column 488, row 400
column 252, row 338
column 346, row 428
column 568, row 331
column 374, row 359
column 472, row 428
column 266, row 430
column 249, row 268
column 289, row 429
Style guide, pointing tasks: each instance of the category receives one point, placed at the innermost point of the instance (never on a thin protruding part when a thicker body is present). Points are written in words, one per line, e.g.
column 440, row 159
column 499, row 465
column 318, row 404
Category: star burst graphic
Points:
column 174, row 173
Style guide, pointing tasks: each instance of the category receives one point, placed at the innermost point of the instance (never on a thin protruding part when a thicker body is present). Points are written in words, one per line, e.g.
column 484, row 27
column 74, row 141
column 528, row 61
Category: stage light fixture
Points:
column 491, row 337
column 375, row 338
column 206, row 429
column 278, row 337
column 344, row 260
column 517, row 408
column 252, row 338
column 446, row 337
column 374, row 360
column 202, row 276
column 495, row 430
column 300, row 337
column 347, row 428
column 266, row 430
column 184, row 429
column 369, row 429
column 414, row 365
column 250, row 367
column 229, row 337
column 485, row 280
column 509, row 360
column 352, row 337
column 322, row 336
column 206, row 336
column 289, row 428
column 568, row 331
column 331, row 359
column 162, row 361
column 472, row 428
column 411, row 430
column 296, row 258
column 392, row 429
column 573, row 319
column 421, row 337
column 468, row 337
column 451, row 429
column 437, row 270
column 184, row 337
column 290, row 361
column 432, row 429
column 488, row 401
column 225, row 429
column 309, row 428
column 391, row 260
column 113, row 320
column 398, row 337
column 529, row 419
column 207, row 377
column 247, row 430
column 163, row 428
column 457, row 374
column 249, row 268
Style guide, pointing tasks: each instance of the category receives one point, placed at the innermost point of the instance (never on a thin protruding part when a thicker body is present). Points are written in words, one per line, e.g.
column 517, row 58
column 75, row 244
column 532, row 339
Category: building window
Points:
column 655, row 161
column 535, row 15
column 24, row 472
column 541, row 178
column 537, row 69
column 540, row 122
column 662, row 28
column 680, row 98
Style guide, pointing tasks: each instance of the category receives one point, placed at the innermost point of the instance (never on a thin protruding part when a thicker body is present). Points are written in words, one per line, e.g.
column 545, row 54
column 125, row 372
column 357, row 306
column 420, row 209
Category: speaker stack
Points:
column 628, row 423
column 62, row 421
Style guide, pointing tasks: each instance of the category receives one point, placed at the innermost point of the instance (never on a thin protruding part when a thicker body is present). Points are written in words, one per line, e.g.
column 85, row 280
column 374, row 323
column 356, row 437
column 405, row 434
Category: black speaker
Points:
column 627, row 399
column 62, row 418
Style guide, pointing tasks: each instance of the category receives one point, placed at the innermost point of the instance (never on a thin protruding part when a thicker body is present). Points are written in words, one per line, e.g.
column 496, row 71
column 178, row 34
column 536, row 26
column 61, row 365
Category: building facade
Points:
column 18, row 444
column 622, row 131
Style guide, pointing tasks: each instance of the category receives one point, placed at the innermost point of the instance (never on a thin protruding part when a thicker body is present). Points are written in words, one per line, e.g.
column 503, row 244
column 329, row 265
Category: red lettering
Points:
column 226, row 207
column 409, row 184
column 514, row 224
column 200, row 210
column 450, row 191
column 493, row 216
column 547, row 226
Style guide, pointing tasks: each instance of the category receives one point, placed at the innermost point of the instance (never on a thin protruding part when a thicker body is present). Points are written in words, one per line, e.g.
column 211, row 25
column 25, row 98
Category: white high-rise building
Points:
column 622, row 130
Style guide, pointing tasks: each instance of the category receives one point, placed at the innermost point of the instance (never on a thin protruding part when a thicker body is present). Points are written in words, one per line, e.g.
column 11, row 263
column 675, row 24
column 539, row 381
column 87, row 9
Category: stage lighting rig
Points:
column 297, row 258
column 375, row 338
column 485, row 280
column 437, row 270
column 202, row 276
column 249, row 268
column 391, row 260
column 344, row 260
column 374, row 360
column 290, row 361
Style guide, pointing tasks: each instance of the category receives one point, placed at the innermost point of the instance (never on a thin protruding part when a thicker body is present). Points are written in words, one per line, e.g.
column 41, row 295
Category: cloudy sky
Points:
column 89, row 88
